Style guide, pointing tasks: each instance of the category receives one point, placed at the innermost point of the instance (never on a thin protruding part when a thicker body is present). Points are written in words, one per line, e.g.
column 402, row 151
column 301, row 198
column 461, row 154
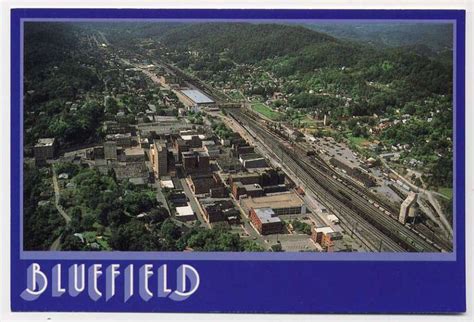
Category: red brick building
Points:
column 203, row 183
column 251, row 190
column 325, row 236
column 266, row 221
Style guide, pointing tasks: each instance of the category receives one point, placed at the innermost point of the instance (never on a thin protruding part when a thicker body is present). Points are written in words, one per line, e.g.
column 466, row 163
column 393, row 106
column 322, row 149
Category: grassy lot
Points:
column 266, row 111
column 303, row 121
column 448, row 192
column 356, row 140
column 236, row 95
column 308, row 122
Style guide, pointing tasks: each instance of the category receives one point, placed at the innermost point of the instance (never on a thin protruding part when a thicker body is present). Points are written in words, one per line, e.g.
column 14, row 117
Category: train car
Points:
column 345, row 195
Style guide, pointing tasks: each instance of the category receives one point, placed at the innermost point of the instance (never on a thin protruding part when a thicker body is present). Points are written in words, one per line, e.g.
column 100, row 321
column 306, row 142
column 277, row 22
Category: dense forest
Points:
column 59, row 71
column 433, row 37
column 42, row 223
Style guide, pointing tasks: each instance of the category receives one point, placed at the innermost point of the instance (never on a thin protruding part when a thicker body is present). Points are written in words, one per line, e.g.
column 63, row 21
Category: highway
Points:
column 374, row 227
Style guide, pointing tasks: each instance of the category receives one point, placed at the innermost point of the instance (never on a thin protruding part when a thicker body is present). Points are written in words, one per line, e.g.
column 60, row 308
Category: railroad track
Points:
column 405, row 237
column 362, row 191
column 379, row 230
column 371, row 237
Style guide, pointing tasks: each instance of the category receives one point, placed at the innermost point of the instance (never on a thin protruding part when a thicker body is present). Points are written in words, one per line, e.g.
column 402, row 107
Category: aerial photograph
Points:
column 275, row 136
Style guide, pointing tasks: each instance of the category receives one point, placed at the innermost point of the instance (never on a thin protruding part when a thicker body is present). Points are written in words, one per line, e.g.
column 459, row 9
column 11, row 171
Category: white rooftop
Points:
column 184, row 211
column 208, row 142
column 197, row 96
column 324, row 230
column 266, row 215
column 167, row 184
column 189, row 137
column 45, row 142
column 332, row 218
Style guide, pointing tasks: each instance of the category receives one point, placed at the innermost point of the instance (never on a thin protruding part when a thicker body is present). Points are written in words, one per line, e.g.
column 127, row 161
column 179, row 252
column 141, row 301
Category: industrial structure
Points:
column 407, row 208
column 194, row 99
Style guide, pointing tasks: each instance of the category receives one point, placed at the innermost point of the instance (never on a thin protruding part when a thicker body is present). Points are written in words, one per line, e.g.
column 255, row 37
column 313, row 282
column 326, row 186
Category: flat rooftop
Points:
column 283, row 200
column 134, row 151
column 250, row 156
column 45, row 142
column 252, row 187
column 332, row 217
column 184, row 211
column 208, row 142
column 118, row 136
column 244, row 174
column 163, row 118
column 197, row 96
column 160, row 128
column 324, row 230
column 167, row 184
column 335, row 235
column 266, row 215
column 189, row 137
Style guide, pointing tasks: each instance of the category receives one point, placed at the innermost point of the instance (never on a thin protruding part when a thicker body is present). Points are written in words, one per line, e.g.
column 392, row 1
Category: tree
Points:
column 276, row 248
column 301, row 227
column 70, row 242
column 88, row 222
column 134, row 236
column 158, row 215
column 138, row 202
column 117, row 218
column 76, row 219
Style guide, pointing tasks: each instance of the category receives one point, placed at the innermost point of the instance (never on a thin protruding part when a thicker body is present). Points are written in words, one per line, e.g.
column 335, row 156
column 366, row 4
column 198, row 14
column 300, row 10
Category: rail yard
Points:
column 373, row 223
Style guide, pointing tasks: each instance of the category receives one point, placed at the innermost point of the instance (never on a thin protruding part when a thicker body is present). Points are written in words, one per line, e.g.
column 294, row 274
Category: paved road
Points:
column 160, row 197
column 56, row 244
column 194, row 203
column 430, row 198
column 437, row 207
column 56, row 198
column 253, row 234
column 292, row 242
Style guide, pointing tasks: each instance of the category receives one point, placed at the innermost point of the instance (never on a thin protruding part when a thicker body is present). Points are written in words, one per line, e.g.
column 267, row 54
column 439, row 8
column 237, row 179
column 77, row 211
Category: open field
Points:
column 448, row 192
column 356, row 140
column 266, row 111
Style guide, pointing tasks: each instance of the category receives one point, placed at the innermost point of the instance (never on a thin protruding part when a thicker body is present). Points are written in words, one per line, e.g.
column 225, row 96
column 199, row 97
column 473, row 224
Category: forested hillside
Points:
column 244, row 43
column 436, row 37
column 58, row 71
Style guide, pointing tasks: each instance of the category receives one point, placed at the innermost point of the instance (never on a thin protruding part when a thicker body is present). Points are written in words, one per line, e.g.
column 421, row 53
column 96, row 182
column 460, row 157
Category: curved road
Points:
column 56, row 244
